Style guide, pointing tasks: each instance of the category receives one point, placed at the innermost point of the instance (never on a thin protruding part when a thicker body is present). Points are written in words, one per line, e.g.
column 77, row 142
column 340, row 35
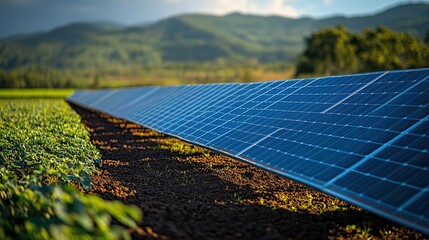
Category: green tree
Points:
column 382, row 49
column 336, row 51
column 329, row 51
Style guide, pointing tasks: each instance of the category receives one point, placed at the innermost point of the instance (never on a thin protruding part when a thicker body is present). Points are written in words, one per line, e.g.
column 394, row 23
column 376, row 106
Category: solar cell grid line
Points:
column 411, row 103
column 184, row 97
column 382, row 90
column 318, row 91
column 170, row 105
column 88, row 96
column 362, row 138
column 190, row 126
column 168, row 99
column 295, row 85
column 255, row 143
column 270, row 106
column 224, row 106
column 355, row 108
column 353, row 93
column 232, row 117
column 112, row 101
column 292, row 145
column 101, row 95
column 223, row 124
column 107, row 102
column 83, row 97
column 399, row 95
column 375, row 152
column 103, row 101
column 187, row 120
column 373, row 122
column 142, row 95
column 234, row 139
column 146, row 110
column 236, row 99
column 415, row 198
column 128, row 100
column 301, row 132
column 326, row 126
column 188, row 112
column 191, row 105
column 139, row 107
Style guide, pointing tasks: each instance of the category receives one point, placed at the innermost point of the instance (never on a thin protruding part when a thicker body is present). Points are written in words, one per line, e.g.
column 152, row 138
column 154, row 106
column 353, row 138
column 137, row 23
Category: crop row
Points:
column 44, row 150
column 34, row 93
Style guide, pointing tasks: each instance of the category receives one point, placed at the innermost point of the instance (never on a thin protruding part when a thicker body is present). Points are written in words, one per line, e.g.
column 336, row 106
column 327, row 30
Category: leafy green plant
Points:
column 43, row 149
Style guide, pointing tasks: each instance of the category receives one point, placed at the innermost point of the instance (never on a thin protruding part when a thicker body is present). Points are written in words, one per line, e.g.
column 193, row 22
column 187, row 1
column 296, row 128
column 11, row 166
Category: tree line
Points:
column 334, row 51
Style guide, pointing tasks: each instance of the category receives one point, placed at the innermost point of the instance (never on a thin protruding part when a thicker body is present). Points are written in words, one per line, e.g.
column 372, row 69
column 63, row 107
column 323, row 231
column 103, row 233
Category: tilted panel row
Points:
column 363, row 138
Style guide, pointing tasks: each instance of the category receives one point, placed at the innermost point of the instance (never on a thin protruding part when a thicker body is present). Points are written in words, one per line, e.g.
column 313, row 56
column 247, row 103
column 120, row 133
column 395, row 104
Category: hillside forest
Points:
column 205, row 49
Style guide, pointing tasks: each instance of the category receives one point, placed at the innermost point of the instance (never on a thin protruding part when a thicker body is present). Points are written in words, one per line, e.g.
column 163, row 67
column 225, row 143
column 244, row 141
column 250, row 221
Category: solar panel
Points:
column 362, row 138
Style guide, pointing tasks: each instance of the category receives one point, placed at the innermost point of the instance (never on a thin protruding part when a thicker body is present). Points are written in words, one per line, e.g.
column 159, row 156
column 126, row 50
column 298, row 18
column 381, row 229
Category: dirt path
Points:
column 187, row 192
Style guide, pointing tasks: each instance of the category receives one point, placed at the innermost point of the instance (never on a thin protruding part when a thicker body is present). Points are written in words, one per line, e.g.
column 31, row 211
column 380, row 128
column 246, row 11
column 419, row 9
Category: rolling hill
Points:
column 190, row 38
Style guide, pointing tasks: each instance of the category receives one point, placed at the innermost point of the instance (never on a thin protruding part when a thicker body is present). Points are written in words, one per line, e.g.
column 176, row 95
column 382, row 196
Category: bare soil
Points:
column 186, row 192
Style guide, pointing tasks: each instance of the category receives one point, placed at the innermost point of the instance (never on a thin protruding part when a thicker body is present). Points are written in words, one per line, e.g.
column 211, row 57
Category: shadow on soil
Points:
column 185, row 196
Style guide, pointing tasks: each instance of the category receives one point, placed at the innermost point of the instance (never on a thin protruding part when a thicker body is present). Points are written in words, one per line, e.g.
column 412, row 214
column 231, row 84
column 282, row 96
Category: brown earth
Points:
column 187, row 192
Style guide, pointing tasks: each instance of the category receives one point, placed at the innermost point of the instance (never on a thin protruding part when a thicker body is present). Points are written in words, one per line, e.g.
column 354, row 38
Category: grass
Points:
column 185, row 148
column 196, row 75
column 34, row 93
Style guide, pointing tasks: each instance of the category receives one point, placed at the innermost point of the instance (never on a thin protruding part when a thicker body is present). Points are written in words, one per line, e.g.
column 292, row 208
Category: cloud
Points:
column 327, row 2
column 225, row 6
column 259, row 7
column 273, row 7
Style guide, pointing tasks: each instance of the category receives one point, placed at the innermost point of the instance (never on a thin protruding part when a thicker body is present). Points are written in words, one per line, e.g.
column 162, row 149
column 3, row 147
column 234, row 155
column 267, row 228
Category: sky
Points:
column 26, row 16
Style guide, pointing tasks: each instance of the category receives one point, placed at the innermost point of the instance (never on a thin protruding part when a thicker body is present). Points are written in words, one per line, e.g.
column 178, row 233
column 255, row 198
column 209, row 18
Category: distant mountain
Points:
column 195, row 37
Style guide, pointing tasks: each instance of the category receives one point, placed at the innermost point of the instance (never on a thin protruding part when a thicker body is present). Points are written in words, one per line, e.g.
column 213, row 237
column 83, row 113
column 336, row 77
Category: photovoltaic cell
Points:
column 362, row 138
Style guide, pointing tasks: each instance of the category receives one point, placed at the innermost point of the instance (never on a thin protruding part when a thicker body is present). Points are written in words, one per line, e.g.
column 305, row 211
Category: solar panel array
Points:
column 362, row 138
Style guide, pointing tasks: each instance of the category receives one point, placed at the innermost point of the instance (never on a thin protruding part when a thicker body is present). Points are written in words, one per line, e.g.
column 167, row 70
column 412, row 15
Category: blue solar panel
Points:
column 363, row 138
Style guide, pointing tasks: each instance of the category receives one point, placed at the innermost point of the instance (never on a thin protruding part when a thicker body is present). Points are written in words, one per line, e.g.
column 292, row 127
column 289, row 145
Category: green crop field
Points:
column 34, row 93
column 44, row 152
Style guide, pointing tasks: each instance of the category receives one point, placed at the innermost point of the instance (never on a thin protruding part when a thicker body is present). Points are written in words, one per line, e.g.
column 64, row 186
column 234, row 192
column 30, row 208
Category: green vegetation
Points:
column 181, row 147
column 334, row 51
column 44, row 150
column 34, row 93
column 190, row 38
column 183, row 49
column 169, row 74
